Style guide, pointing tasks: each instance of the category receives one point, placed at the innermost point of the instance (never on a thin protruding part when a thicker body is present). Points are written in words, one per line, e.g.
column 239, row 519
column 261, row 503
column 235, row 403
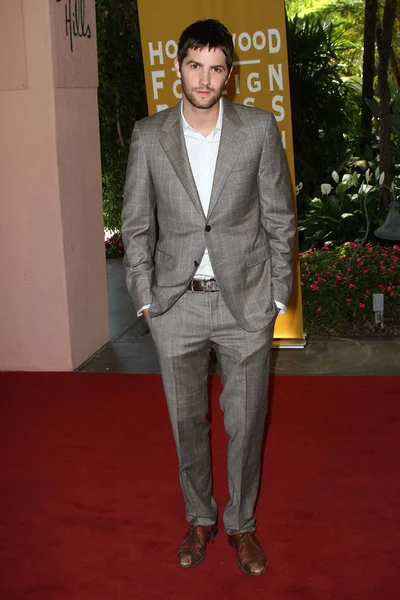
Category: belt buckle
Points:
column 204, row 285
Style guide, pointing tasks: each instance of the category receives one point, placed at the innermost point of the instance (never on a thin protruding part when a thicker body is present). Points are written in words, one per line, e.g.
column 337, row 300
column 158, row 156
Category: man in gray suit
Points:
column 208, row 232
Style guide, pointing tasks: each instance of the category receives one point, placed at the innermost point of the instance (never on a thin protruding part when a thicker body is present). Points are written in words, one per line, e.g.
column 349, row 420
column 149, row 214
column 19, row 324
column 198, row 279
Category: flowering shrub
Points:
column 114, row 246
column 337, row 292
column 340, row 213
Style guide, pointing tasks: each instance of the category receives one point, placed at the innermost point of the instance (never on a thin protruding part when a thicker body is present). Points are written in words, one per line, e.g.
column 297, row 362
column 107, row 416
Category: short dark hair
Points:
column 206, row 33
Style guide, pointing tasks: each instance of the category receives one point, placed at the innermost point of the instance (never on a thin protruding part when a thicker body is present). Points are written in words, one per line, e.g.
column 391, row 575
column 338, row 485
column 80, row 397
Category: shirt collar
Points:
column 218, row 126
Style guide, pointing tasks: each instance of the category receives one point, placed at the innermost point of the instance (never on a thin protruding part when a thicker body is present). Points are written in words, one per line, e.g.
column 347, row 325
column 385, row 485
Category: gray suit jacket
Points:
column 249, row 228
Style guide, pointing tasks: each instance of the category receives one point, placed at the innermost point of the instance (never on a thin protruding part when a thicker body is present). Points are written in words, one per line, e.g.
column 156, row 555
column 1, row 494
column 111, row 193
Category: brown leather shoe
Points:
column 193, row 548
column 251, row 557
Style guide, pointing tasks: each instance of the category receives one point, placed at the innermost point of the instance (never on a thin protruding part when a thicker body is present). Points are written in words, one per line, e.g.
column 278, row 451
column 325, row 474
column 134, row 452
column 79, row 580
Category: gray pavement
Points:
column 131, row 349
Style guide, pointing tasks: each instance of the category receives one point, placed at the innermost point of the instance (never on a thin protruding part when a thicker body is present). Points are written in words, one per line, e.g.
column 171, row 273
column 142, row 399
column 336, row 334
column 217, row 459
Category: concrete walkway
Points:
column 131, row 349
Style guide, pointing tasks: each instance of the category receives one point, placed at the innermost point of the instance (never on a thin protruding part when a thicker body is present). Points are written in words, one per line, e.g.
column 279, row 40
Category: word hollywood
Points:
column 259, row 41
column 75, row 20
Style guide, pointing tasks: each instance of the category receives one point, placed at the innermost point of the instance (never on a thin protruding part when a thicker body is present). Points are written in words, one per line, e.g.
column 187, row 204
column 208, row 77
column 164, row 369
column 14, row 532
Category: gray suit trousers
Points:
column 184, row 336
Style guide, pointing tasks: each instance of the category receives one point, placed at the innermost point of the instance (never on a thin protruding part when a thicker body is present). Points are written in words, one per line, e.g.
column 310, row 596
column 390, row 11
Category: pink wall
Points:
column 78, row 150
column 53, row 297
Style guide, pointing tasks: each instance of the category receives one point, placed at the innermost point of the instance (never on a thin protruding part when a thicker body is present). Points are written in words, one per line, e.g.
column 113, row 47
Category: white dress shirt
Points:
column 202, row 153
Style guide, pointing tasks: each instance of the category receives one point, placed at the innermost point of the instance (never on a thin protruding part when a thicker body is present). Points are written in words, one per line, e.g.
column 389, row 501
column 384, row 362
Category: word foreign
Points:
column 75, row 21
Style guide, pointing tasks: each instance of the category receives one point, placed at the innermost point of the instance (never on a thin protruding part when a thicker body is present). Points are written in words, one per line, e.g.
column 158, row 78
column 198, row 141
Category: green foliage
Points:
column 344, row 210
column 337, row 292
column 323, row 106
column 122, row 98
column 348, row 19
column 347, row 16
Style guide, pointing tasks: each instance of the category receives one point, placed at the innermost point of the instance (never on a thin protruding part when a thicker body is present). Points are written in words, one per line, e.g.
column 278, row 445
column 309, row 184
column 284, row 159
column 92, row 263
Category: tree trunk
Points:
column 384, row 47
column 368, row 66
column 394, row 66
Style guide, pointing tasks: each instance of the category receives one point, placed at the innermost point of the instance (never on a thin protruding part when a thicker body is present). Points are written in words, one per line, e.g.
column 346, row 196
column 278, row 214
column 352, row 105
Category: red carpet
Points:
column 91, row 506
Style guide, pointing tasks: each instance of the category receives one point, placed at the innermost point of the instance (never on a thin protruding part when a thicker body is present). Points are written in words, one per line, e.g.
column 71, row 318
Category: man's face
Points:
column 203, row 74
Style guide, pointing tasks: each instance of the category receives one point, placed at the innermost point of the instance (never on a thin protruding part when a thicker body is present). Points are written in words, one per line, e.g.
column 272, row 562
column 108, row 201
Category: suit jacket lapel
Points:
column 173, row 142
column 232, row 140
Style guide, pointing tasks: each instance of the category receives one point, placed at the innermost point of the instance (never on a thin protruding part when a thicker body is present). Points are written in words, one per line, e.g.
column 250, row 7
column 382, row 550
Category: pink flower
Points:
column 351, row 285
column 348, row 299
column 338, row 277
column 319, row 308
column 391, row 294
column 389, row 287
column 365, row 271
column 369, row 249
column 361, row 305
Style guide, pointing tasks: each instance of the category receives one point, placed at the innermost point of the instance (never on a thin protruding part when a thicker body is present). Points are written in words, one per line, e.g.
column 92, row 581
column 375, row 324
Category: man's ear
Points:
column 230, row 73
column 177, row 69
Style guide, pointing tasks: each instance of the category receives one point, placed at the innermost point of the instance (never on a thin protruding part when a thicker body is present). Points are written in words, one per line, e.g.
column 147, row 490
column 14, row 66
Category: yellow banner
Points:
column 260, row 78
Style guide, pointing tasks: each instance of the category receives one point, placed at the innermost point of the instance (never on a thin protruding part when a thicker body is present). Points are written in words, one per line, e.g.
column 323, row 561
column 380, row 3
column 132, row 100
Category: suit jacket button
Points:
column 208, row 228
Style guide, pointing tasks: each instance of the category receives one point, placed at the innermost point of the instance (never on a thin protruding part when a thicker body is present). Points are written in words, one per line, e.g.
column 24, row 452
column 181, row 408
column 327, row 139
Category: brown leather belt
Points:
column 203, row 285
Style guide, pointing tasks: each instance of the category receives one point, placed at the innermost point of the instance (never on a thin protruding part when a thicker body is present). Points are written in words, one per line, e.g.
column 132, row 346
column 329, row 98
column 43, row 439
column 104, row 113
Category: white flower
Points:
column 382, row 178
column 347, row 179
column 326, row 188
column 377, row 173
column 335, row 176
column 299, row 187
column 368, row 175
column 364, row 188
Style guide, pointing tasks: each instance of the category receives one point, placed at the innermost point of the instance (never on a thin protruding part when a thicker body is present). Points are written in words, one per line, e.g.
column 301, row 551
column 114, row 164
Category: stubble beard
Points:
column 207, row 102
